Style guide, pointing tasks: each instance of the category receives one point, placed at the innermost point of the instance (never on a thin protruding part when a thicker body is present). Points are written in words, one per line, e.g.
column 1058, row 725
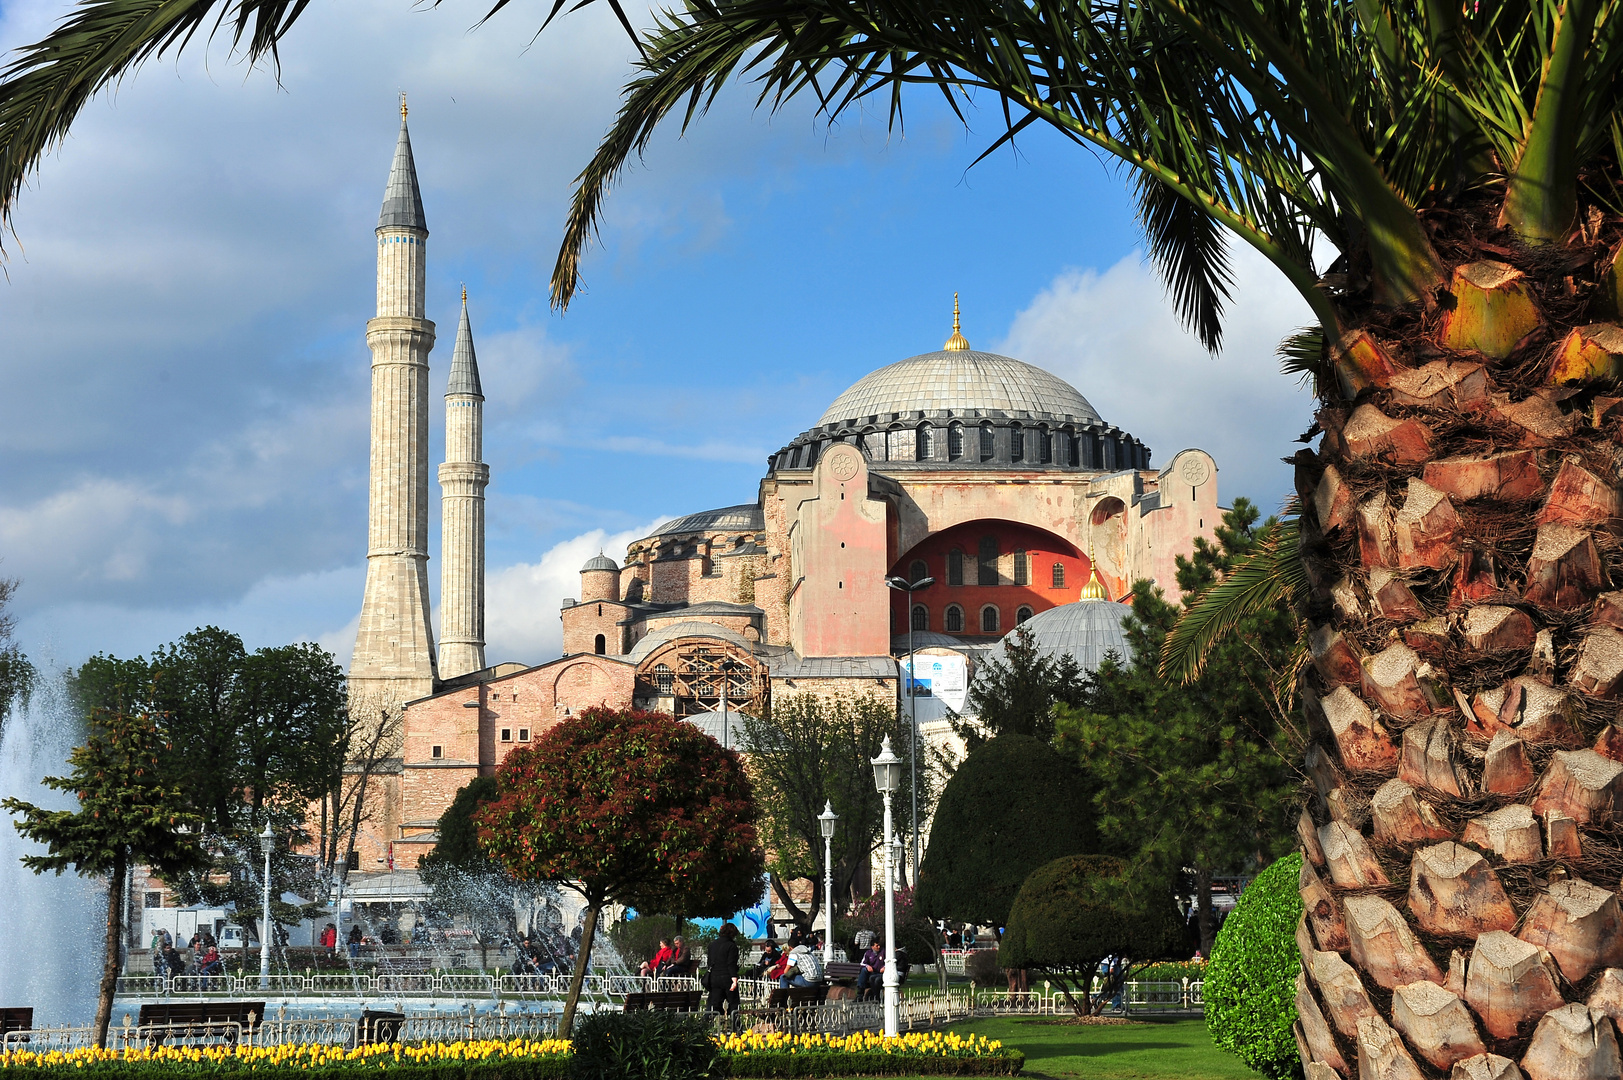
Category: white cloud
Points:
column 522, row 601
column 1115, row 337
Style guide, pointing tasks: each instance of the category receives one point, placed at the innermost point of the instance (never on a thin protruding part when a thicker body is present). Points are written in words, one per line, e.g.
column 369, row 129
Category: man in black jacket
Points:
column 721, row 966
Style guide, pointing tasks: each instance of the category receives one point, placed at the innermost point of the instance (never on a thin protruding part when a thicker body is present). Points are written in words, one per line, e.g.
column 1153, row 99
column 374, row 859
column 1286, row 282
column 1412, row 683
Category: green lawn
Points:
column 1178, row 1049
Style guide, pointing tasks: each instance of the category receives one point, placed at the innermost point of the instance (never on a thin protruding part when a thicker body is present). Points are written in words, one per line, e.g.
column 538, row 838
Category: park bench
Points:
column 222, row 1020
column 673, row 1000
column 796, row 997
column 840, row 970
column 15, row 1020
column 378, row 1026
column 405, row 965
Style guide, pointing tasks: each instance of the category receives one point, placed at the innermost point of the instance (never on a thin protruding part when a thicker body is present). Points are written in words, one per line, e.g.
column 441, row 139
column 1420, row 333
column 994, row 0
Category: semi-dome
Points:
column 964, row 381
column 1086, row 629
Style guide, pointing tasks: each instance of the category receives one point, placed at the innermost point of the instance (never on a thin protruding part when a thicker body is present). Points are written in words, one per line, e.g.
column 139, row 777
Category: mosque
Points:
column 992, row 484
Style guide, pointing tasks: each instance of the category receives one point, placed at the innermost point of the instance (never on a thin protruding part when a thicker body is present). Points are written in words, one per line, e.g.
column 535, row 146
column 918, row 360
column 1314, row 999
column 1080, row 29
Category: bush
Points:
column 638, row 939
column 813, row 1063
column 1250, row 990
column 1171, row 971
column 981, row 967
column 650, row 1044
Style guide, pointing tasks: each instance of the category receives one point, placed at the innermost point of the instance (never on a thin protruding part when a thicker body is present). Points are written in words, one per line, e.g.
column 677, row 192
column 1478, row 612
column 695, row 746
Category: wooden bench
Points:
column 674, row 1000
column 840, row 970
column 378, row 1026
column 159, row 1021
column 15, row 1020
column 405, row 965
column 796, row 997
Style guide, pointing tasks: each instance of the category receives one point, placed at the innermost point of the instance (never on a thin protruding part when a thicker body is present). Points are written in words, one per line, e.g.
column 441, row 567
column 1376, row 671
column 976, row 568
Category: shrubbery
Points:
column 981, row 967
column 650, row 1044
column 1250, row 990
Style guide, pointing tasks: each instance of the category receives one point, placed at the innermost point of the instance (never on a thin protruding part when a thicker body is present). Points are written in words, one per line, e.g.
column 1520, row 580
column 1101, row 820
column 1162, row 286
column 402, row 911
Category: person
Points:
column 210, row 962
column 172, row 960
column 650, row 968
column 681, row 962
column 355, row 939
column 779, row 966
column 770, row 956
column 806, row 965
column 873, row 969
column 864, row 938
column 721, row 962
column 329, row 937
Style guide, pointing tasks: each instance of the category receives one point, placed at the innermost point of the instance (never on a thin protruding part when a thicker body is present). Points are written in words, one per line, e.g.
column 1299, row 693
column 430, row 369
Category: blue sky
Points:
column 184, row 429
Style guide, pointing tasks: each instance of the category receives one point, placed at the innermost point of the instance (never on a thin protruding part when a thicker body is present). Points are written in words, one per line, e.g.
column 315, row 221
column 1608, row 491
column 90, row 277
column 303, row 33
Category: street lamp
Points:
column 826, row 821
column 902, row 585
column 887, row 777
column 267, row 844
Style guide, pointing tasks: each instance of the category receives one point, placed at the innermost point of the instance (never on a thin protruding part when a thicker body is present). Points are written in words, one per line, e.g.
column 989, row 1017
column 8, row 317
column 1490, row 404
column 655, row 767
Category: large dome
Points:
column 962, row 381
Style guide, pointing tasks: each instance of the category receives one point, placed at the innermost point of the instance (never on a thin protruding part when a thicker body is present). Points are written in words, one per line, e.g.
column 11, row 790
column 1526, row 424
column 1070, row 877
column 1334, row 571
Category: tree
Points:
column 811, row 751
column 1437, row 182
column 1250, row 985
column 1016, row 693
column 1015, row 804
column 17, row 674
column 631, row 807
column 130, row 812
column 1195, row 775
column 1073, row 912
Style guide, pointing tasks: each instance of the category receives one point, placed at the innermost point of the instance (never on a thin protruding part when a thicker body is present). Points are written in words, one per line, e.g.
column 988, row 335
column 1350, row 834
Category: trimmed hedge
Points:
column 772, row 1064
column 1250, row 990
column 552, row 1068
column 647, row 1044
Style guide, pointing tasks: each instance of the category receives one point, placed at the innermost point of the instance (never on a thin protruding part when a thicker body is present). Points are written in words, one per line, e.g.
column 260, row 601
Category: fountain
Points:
column 51, row 931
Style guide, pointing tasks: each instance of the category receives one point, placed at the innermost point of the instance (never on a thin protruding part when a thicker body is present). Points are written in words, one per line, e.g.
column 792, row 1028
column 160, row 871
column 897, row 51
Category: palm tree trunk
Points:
column 110, row 944
column 1461, row 533
column 583, row 961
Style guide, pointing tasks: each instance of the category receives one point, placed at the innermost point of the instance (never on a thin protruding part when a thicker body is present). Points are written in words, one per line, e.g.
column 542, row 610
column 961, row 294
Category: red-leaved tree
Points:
column 630, row 807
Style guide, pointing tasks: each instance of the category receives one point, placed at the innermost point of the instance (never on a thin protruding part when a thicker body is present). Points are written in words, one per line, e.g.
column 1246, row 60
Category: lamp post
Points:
column 887, row 777
column 902, row 585
column 267, row 844
column 826, row 821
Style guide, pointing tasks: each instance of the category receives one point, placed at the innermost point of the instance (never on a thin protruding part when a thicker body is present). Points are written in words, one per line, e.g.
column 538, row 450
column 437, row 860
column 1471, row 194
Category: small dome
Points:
column 962, row 380
column 600, row 561
column 1086, row 629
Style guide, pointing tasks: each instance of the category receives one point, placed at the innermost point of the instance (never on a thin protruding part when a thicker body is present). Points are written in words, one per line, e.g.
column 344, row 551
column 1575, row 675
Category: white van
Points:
column 232, row 936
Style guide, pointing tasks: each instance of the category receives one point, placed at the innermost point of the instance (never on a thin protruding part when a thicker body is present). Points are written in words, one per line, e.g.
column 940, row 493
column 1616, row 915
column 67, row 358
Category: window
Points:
column 1022, row 615
column 986, row 563
column 794, row 458
column 921, row 443
column 874, row 443
column 988, row 443
column 152, row 899
column 811, row 455
column 1022, row 574
column 955, row 567
column 1045, row 446
column 1073, row 449
column 662, row 678
column 1059, row 575
column 917, row 571
column 955, row 619
column 955, row 441
column 436, row 752
column 1017, row 442
column 523, row 734
column 507, row 734
column 902, row 444
column 601, row 645
column 354, row 860
column 988, row 619
column 921, row 617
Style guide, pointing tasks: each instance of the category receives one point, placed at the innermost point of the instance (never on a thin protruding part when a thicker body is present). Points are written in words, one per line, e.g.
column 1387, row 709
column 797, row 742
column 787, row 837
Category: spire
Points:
column 464, row 365
column 1094, row 589
column 402, row 202
column 956, row 343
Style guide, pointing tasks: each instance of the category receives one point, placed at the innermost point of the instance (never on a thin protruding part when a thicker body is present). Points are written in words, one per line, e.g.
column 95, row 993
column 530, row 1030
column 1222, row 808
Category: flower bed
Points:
column 753, row 1055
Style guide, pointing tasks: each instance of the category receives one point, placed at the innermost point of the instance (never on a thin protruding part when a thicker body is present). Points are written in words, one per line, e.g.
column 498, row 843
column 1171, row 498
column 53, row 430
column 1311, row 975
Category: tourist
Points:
column 806, row 966
column 355, row 939
column 873, row 967
column 721, row 976
column 681, row 962
column 329, row 937
column 210, row 962
column 650, row 968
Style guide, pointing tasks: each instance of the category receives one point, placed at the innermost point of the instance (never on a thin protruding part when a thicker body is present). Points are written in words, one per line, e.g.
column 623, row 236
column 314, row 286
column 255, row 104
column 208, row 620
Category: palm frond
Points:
column 44, row 89
column 1271, row 575
column 1305, row 356
column 1188, row 250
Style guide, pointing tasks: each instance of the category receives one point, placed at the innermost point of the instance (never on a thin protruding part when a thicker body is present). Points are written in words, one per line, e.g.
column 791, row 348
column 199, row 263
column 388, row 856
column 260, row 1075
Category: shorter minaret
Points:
column 463, row 478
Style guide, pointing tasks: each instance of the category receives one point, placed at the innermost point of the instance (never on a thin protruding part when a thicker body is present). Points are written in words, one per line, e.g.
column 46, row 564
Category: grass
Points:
column 1170, row 1049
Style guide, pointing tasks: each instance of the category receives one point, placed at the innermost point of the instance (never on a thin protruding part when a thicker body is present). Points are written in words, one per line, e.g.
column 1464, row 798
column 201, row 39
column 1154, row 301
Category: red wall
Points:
column 1043, row 550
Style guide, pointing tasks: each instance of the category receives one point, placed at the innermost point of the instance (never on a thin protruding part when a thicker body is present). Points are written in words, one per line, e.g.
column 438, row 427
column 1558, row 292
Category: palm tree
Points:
column 1439, row 181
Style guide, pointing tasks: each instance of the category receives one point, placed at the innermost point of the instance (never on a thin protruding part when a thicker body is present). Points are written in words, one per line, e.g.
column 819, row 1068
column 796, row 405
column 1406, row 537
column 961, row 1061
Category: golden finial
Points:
column 464, row 294
column 956, row 343
column 1093, row 589
column 402, row 104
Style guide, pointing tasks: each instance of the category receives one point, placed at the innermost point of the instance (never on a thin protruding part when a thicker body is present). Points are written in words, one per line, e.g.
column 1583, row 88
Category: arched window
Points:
column 986, row 563
column 1045, row 446
column 1022, row 615
column 811, row 454
column 917, row 571
column 988, row 443
column 902, row 444
column 955, row 441
column 794, row 459
column 1073, row 449
column 874, row 443
column 955, row 619
column 921, row 443
column 921, row 617
column 601, row 645
column 1022, row 572
column 989, row 619
column 1017, row 442
column 955, row 567
column 662, row 678
column 1059, row 575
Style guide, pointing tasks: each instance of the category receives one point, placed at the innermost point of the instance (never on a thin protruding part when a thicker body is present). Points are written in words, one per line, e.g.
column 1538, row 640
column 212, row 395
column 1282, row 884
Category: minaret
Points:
column 462, row 513
column 394, row 648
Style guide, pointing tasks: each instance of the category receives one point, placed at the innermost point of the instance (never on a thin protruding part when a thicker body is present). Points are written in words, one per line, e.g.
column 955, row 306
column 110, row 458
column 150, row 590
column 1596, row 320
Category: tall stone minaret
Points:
column 394, row 648
column 462, row 513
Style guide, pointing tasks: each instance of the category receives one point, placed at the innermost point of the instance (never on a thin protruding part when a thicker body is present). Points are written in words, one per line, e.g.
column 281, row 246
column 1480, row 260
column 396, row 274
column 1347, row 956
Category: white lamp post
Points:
column 826, row 821
column 908, row 588
column 887, row 777
column 267, row 844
